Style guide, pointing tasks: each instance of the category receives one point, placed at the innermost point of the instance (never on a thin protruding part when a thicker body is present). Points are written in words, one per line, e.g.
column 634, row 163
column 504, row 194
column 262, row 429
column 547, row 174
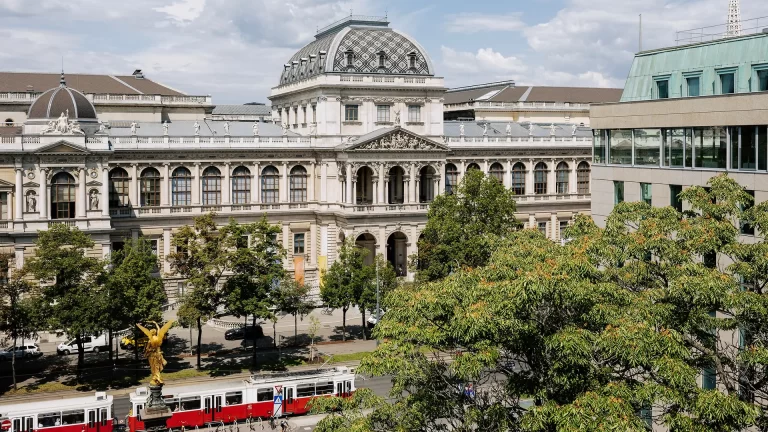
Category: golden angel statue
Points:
column 152, row 350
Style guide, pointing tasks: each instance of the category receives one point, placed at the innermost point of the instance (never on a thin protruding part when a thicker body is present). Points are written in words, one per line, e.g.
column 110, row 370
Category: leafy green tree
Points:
column 344, row 280
column 203, row 256
column 292, row 297
column 134, row 295
column 365, row 299
column 71, row 282
column 462, row 228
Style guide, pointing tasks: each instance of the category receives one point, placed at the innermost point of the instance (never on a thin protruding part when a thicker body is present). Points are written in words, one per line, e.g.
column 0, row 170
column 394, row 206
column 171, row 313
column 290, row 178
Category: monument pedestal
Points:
column 155, row 412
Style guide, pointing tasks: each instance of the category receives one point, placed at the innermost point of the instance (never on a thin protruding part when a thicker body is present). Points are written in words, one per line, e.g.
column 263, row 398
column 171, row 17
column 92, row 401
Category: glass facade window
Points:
column 150, row 188
column 63, row 192
column 646, row 193
column 497, row 172
column 540, row 179
column 4, row 205
column 647, row 146
column 694, row 86
column 748, row 156
column 762, row 80
column 451, row 178
column 727, row 83
column 350, row 113
column 618, row 192
column 298, row 184
column 711, row 147
column 599, row 147
column 562, row 174
column 211, row 186
column 762, row 147
column 181, row 187
column 119, row 184
column 674, row 197
column 298, row 244
column 620, row 146
column 414, row 113
column 241, row 185
column 662, row 89
column 583, row 173
column 674, row 147
column 518, row 179
column 382, row 113
column 270, row 186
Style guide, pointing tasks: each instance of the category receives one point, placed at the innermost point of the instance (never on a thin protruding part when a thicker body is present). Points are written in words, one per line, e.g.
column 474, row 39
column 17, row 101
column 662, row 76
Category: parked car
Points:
column 21, row 351
column 372, row 320
column 250, row 332
column 90, row 344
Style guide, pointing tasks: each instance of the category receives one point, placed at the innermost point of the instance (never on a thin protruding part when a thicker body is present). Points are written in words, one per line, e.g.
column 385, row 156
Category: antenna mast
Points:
column 734, row 19
column 640, row 37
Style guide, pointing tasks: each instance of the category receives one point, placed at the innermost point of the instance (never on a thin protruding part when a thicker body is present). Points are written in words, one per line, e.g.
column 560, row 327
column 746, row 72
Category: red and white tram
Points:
column 260, row 396
column 81, row 414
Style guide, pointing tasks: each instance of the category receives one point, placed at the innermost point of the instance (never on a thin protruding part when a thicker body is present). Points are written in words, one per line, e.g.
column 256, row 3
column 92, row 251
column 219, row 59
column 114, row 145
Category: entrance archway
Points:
column 427, row 184
column 397, row 252
column 364, row 186
column 396, row 192
column 367, row 241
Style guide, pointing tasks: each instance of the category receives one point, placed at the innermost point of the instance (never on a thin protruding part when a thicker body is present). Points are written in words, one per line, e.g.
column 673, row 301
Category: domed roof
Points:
column 358, row 45
column 62, row 99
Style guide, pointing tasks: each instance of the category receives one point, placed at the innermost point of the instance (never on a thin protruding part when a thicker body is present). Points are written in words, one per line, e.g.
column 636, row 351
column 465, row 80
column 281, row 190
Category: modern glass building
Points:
column 687, row 113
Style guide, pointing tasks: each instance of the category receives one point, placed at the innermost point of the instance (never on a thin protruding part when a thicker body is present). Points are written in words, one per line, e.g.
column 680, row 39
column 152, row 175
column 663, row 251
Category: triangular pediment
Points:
column 395, row 139
column 62, row 147
column 93, row 183
column 5, row 185
column 31, row 184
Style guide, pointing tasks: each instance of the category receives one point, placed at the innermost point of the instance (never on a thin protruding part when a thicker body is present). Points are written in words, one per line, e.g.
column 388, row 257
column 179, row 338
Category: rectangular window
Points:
column 73, row 417
column 563, row 226
column 645, row 193
column 694, row 86
column 305, row 390
column 647, row 146
column 414, row 113
column 598, row 155
column 733, row 136
column 618, row 192
column 543, row 228
column 180, row 289
column 382, row 113
column 350, row 113
column 4, row 205
column 711, row 147
column 190, row 403
column 314, row 113
column 675, row 144
column 762, row 80
column 46, row 420
column 620, row 143
column 727, row 83
column 674, row 197
column 298, row 243
column 264, row 395
column 748, row 148
column 708, row 379
column 745, row 228
column 324, row 388
column 662, row 89
column 762, row 148
column 233, row 398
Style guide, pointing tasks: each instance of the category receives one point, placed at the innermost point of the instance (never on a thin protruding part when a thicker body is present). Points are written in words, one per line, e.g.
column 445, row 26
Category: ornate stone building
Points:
column 358, row 149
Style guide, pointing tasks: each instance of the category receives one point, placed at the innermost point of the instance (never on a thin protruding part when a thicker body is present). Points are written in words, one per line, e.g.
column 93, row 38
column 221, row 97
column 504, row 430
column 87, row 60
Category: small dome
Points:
column 62, row 99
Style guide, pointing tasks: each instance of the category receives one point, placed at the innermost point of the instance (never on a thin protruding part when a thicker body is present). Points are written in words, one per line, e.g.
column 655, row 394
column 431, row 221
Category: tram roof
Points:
column 56, row 405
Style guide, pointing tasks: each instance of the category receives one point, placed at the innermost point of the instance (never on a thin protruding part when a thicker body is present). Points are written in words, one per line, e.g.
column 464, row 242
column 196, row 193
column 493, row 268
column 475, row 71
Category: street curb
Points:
column 67, row 394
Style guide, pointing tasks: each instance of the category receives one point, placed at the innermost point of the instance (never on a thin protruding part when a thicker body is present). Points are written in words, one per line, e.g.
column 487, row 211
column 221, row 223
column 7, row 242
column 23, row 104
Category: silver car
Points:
column 21, row 351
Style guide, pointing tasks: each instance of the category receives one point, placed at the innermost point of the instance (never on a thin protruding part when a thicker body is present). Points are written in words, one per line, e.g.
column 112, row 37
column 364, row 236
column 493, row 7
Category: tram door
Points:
column 289, row 401
column 96, row 419
column 208, row 411
column 217, row 410
column 23, row 424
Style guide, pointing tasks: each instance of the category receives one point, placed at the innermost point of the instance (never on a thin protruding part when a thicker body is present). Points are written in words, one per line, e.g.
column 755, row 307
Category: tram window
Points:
column 305, row 390
column 190, row 403
column 103, row 416
column 16, row 425
column 264, row 395
column 347, row 386
column 324, row 388
column 233, row 398
column 30, row 424
column 173, row 404
column 73, row 417
column 48, row 420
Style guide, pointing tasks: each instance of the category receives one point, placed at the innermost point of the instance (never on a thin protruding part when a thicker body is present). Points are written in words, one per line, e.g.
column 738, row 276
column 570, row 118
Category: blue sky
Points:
column 234, row 49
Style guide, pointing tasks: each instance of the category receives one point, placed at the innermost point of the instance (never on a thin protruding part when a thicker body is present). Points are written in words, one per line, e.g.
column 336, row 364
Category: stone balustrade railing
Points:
column 101, row 98
column 518, row 105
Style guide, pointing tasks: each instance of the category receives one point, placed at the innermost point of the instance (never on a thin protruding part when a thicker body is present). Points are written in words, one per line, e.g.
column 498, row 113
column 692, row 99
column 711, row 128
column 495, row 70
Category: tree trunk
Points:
column 199, row 341
column 365, row 337
column 344, row 324
column 254, row 361
column 13, row 362
column 80, row 356
column 274, row 334
column 295, row 329
column 111, row 354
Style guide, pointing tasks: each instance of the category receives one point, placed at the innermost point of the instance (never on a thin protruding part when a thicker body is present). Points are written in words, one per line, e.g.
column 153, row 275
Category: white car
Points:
column 372, row 320
column 90, row 344
column 21, row 351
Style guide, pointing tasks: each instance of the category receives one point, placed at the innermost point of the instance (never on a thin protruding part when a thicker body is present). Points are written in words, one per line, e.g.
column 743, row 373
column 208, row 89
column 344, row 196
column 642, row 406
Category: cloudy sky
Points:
column 234, row 49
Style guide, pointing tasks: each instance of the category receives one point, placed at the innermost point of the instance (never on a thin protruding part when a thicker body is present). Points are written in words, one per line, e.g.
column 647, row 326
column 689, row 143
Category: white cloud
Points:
column 476, row 22
column 183, row 11
column 484, row 61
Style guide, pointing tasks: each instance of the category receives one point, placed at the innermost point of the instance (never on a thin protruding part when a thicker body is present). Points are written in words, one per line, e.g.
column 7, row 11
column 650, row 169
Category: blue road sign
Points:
column 278, row 399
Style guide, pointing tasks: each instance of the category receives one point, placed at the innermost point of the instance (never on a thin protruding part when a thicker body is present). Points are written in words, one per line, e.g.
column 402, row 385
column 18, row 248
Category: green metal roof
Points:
column 706, row 59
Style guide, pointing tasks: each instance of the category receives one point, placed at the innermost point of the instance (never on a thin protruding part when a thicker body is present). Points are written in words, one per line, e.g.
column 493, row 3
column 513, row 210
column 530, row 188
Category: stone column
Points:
column 256, row 185
column 440, row 183
column 323, row 182
column 82, row 199
column 485, row 166
column 133, row 190
column 105, row 190
column 385, row 191
column 19, row 194
column 406, row 189
column 417, row 190
column 572, row 185
column 532, row 222
column 375, row 183
column 42, row 200
column 106, row 249
column 310, row 246
column 508, row 175
column 412, row 188
column 284, row 184
column 196, row 184
column 554, row 228
column 166, row 249
column 165, row 182
column 461, row 173
column 529, row 178
column 354, row 192
column 551, row 186
column 227, row 186
column 381, row 244
column 382, row 186
column 9, row 200
column 349, row 184
column 311, row 185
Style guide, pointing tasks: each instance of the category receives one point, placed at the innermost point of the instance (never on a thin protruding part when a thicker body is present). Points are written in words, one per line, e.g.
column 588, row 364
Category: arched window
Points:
column 583, row 173
column 427, row 184
column 540, row 179
column 412, row 60
column 119, row 184
column 270, row 187
column 298, row 184
column 518, row 179
column 396, row 187
column 150, row 188
column 181, row 187
column 562, row 174
column 451, row 178
column 350, row 58
column 63, row 192
column 473, row 166
column 241, row 185
column 497, row 172
column 381, row 59
column 9, row 122
column 211, row 186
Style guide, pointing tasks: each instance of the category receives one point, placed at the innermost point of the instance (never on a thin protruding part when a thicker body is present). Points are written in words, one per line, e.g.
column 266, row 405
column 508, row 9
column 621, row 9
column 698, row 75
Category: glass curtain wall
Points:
column 711, row 147
column 620, row 144
column 647, row 145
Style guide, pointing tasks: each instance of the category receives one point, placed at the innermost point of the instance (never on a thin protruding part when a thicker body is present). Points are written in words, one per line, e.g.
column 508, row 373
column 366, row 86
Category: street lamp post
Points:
column 378, row 307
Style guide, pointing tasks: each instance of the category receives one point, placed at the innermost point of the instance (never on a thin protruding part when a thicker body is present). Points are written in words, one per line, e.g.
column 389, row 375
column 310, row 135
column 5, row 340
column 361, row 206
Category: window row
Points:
column 352, row 113
column 733, row 147
column 519, row 173
column 725, row 82
column 211, row 186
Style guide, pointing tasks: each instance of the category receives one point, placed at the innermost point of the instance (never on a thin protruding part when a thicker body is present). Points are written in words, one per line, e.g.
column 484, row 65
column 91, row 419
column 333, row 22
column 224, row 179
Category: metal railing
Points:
column 368, row 18
column 720, row 31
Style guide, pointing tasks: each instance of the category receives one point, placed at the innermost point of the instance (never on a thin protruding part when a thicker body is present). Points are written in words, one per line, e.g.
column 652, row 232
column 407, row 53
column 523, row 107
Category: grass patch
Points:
column 339, row 358
column 40, row 388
